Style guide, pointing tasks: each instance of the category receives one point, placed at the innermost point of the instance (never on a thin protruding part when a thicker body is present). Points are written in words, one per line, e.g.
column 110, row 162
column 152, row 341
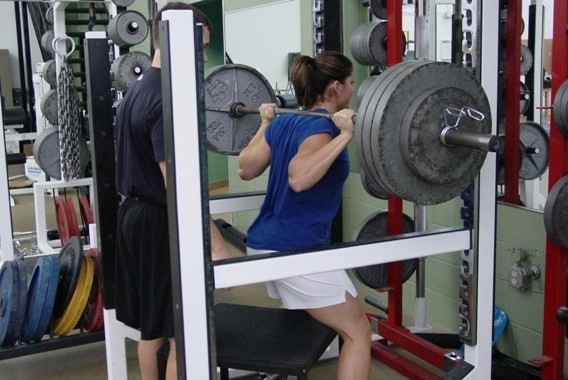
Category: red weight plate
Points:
column 93, row 318
column 85, row 210
column 72, row 218
column 63, row 223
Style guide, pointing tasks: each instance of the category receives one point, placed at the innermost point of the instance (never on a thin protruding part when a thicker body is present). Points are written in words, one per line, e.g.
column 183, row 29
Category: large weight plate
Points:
column 13, row 287
column 128, row 68
column 560, row 108
column 534, row 150
column 70, row 264
column 93, row 318
column 374, row 227
column 128, row 28
column 368, row 44
column 225, row 85
column 385, row 130
column 73, row 311
column 47, row 155
column 556, row 213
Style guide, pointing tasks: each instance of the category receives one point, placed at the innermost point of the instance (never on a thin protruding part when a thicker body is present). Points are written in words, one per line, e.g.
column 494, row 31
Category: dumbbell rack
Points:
column 555, row 287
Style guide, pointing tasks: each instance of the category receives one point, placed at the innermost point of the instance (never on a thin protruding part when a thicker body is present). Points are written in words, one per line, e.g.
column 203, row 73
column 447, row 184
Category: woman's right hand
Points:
column 344, row 120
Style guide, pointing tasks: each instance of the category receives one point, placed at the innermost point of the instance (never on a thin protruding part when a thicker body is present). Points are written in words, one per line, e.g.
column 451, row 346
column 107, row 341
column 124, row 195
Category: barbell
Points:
column 422, row 127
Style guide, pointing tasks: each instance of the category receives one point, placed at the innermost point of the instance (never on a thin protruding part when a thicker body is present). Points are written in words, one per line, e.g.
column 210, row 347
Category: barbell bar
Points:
column 449, row 135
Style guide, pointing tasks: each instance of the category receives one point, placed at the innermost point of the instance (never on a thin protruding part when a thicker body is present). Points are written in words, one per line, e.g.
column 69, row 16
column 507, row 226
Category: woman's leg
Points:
column 352, row 325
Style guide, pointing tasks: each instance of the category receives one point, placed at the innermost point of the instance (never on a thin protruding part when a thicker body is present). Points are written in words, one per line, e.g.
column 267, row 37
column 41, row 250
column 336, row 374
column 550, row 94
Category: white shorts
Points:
column 310, row 291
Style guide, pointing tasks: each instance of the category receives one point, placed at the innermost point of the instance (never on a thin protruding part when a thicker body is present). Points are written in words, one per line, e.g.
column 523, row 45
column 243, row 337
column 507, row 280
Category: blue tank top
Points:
column 289, row 220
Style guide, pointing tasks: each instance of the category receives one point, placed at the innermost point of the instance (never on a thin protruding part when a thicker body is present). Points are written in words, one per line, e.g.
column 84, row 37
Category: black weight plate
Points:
column 70, row 268
column 37, row 293
column 556, row 213
column 534, row 150
column 51, row 267
column 374, row 227
column 224, row 86
column 12, row 302
column 385, row 133
column 560, row 108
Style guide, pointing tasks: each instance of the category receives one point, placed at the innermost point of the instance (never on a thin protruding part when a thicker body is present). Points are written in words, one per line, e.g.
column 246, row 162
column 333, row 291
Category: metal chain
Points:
column 69, row 123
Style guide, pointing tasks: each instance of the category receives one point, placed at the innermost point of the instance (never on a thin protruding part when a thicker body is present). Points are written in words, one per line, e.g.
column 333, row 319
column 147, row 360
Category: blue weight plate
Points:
column 37, row 292
column 52, row 268
column 69, row 268
column 9, row 298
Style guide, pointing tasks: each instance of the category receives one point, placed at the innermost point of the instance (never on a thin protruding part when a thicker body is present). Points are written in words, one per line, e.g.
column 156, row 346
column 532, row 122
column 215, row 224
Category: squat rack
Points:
column 198, row 277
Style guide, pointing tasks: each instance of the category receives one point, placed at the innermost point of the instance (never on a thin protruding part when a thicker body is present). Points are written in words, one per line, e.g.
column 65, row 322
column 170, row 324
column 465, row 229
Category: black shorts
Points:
column 143, row 287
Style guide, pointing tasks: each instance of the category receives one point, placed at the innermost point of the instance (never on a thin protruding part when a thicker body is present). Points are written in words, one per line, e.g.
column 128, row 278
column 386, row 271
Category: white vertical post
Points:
column 484, row 238
column 188, row 192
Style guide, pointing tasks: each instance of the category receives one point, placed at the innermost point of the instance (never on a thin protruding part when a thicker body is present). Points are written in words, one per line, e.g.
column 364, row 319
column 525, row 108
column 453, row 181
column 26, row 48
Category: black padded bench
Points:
column 270, row 340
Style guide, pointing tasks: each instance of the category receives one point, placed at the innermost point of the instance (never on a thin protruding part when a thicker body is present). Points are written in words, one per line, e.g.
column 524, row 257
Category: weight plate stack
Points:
column 128, row 28
column 383, row 144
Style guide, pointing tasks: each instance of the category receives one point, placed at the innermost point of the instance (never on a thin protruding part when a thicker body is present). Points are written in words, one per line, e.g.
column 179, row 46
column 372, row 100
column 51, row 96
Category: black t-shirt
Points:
column 139, row 137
